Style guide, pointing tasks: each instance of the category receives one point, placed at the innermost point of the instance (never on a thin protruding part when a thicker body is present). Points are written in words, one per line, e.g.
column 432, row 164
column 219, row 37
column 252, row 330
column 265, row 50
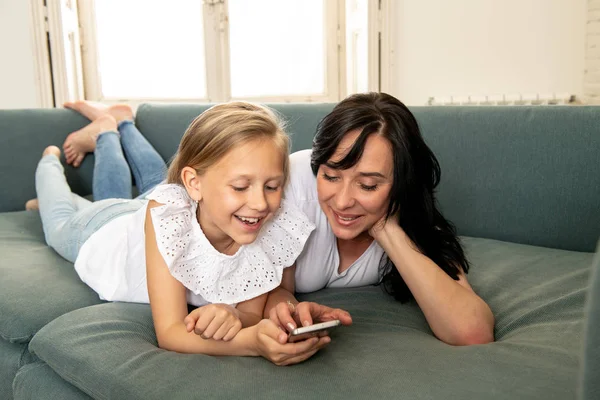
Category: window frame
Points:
column 380, row 57
column 216, row 36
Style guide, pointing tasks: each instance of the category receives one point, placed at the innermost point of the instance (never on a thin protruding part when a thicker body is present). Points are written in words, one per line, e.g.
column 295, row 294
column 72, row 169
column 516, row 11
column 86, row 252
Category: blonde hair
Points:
column 222, row 127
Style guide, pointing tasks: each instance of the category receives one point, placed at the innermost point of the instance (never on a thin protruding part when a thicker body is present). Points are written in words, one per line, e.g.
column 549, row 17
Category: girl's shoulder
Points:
column 171, row 194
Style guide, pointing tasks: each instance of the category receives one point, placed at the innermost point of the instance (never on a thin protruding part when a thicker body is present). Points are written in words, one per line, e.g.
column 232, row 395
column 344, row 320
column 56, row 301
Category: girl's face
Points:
column 240, row 193
column 356, row 198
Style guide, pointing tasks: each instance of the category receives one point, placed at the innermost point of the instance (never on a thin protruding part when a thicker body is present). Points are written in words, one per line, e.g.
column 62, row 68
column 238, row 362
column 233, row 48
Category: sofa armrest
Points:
column 23, row 136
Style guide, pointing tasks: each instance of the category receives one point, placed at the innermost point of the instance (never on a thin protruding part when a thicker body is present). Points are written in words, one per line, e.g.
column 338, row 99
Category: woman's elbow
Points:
column 476, row 336
column 478, row 333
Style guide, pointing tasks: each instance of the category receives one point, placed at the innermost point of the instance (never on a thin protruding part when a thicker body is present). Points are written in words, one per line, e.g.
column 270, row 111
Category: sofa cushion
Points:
column 12, row 357
column 590, row 367
column 537, row 295
column 37, row 284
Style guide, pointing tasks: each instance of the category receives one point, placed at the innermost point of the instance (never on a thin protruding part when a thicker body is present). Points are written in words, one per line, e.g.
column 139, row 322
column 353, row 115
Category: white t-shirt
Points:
column 113, row 260
column 317, row 266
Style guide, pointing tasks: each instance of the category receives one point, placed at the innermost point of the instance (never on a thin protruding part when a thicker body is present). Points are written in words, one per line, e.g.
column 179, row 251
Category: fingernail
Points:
column 291, row 326
column 305, row 323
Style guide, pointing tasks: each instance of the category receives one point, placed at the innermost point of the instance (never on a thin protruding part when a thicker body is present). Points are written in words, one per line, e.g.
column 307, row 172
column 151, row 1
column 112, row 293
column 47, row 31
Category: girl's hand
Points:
column 271, row 343
column 214, row 321
column 289, row 316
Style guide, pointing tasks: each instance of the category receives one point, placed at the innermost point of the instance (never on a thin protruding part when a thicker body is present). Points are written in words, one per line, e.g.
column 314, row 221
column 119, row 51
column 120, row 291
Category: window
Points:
column 219, row 50
column 148, row 49
column 279, row 48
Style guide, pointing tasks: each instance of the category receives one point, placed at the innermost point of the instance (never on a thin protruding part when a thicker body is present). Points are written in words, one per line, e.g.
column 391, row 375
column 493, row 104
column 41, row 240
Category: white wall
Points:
column 591, row 81
column 443, row 48
column 17, row 74
column 486, row 47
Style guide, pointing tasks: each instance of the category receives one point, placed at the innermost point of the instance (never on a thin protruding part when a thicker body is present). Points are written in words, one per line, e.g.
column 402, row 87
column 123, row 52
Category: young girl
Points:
column 217, row 236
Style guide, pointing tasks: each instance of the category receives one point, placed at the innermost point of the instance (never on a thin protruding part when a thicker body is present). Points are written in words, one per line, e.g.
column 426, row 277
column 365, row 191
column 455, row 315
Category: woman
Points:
column 368, row 186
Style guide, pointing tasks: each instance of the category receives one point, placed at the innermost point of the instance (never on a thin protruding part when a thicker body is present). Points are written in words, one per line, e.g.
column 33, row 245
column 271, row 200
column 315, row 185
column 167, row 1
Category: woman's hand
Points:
column 271, row 343
column 214, row 321
column 385, row 227
column 289, row 316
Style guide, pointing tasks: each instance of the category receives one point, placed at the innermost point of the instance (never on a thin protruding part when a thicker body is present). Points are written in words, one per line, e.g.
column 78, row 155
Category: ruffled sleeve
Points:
column 283, row 239
column 172, row 221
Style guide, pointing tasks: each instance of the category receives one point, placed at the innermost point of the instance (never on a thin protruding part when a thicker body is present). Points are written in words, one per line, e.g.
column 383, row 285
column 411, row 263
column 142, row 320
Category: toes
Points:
column 78, row 160
column 69, row 154
column 67, row 142
column 72, row 157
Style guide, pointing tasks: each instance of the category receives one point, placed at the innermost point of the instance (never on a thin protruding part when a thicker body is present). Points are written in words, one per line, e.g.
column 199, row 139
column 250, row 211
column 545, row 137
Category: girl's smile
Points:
column 240, row 193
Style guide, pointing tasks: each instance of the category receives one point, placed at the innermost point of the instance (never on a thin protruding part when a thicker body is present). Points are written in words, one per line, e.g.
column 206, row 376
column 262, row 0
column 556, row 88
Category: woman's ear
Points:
column 191, row 181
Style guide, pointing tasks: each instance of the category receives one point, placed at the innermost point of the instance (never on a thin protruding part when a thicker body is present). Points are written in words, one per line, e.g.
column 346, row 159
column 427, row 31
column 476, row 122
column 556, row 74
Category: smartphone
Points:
column 305, row 332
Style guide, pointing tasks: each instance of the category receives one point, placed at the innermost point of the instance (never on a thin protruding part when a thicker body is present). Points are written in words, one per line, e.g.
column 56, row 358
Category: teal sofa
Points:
column 522, row 185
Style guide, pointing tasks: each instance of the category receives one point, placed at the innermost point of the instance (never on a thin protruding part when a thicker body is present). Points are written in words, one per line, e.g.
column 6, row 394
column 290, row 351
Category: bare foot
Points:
column 89, row 109
column 83, row 141
column 92, row 110
column 121, row 112
column 32, row 204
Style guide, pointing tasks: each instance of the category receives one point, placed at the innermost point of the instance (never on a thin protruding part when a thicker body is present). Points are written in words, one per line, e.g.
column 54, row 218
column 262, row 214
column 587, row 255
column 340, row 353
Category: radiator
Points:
column 504, row 100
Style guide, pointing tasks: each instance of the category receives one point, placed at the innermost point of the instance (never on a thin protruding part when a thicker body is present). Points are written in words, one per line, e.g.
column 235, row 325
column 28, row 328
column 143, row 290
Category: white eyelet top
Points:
column 210, row 276
column 253, row 270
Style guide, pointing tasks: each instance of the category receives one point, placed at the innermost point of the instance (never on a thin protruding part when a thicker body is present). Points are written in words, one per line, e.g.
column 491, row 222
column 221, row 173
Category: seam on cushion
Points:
column 27, row 367
column 22, row 370
column 17, row 340
column 32, row 366
column 77, row 383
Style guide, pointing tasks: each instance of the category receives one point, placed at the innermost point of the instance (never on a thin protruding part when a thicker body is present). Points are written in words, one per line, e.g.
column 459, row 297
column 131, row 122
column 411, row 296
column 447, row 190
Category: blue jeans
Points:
column 69, row 220
column 116, row 160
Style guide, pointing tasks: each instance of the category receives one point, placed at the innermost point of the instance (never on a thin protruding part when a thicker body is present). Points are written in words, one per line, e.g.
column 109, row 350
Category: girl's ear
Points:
column 191, row 181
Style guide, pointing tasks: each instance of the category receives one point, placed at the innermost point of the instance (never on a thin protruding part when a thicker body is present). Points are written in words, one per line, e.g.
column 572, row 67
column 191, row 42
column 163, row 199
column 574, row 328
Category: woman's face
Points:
column 356, row 198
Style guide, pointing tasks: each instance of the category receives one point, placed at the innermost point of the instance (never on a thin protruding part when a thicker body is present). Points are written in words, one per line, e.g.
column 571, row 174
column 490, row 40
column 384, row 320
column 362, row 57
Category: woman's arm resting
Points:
column 455, row 313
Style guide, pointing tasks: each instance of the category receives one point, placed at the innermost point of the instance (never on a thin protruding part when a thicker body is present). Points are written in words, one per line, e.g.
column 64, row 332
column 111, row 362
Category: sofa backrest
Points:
column 521, row 174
